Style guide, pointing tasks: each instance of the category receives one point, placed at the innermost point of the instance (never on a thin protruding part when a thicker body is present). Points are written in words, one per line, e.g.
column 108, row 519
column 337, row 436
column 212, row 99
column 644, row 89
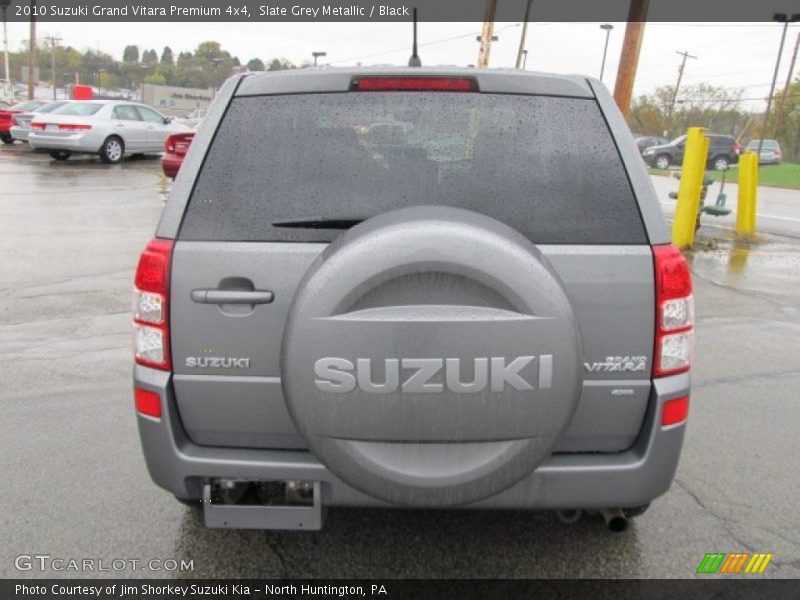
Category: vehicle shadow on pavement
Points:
column 372, row 543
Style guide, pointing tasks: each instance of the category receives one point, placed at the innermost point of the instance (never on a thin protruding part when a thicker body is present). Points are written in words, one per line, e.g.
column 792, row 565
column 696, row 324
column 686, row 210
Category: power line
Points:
column 472, row 34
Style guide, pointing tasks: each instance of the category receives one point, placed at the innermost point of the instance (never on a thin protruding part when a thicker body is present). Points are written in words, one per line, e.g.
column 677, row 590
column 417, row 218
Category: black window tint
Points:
column 547, row 166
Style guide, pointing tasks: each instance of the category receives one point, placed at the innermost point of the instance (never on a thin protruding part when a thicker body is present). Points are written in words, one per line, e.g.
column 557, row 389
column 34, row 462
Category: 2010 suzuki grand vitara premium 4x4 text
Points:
column 416, row 288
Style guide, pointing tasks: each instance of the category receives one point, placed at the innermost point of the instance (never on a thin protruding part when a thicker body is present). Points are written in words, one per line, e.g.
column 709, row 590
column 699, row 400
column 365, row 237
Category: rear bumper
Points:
column 624, row 479
column 83, row 142
column 171, row 164
column 20, row 133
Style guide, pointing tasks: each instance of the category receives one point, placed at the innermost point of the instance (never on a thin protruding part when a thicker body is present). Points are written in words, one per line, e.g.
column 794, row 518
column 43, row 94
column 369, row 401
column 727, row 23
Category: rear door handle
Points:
column 215, row 296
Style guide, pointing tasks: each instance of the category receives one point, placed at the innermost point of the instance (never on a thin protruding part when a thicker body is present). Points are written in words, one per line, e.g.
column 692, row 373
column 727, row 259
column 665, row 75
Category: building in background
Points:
column 176, row 101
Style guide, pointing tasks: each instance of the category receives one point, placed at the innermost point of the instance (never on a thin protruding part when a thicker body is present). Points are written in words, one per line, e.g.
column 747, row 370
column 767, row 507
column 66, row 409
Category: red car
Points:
column 7, row 117
column 175, row 146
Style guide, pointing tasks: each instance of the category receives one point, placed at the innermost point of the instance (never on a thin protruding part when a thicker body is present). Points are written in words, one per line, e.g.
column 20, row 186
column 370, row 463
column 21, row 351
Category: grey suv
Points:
column 411, row 287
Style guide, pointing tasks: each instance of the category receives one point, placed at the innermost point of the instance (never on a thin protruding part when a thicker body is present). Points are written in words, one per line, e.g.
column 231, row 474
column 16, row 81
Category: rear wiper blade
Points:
column 319, row 223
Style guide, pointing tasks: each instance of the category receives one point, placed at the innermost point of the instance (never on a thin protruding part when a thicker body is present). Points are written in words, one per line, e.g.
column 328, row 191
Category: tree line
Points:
column 207, row 66
column 720, row 110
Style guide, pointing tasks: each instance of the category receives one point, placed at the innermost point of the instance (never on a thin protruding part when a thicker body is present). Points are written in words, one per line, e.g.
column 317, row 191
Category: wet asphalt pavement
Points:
column 76, row 484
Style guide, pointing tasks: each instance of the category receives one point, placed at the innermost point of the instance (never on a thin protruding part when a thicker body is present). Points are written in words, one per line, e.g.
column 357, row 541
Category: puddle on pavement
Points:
column 764, row 264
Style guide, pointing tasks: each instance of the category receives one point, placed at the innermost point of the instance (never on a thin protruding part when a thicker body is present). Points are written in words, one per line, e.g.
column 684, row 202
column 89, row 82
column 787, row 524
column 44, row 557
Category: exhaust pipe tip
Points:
column 615, row 519
column 569, row 516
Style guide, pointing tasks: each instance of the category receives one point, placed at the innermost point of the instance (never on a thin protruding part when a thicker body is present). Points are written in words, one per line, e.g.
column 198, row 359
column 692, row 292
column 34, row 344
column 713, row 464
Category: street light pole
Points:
column 782, row 102
column 524, row 59
column 608, row 27
column 522, row 50
column 32, row 51
column 8, row 87
column 785, row 19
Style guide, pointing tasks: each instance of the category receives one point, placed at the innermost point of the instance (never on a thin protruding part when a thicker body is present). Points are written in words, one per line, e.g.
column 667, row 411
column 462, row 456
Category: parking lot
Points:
column 76, row 484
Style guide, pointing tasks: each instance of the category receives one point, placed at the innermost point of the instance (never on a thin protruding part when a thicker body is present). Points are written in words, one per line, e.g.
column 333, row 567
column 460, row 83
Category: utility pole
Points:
column 785, row 19
column 486, row 34
column 782, row 102
column 629, row 58
column 607, row 27
column 32, row 50
column 53, row 40
column 685, row 55
column 8, row 87
column 521, row 50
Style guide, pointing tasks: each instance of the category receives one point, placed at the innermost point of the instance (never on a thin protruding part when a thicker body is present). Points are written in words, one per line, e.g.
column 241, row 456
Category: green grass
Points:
column 785, row 175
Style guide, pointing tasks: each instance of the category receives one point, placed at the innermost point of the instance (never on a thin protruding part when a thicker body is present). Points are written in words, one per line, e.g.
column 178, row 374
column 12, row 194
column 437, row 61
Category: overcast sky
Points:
column 729, row 54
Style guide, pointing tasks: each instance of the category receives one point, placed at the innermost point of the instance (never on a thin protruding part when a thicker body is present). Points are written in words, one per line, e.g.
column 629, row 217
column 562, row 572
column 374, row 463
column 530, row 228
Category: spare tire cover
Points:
column 431, row 357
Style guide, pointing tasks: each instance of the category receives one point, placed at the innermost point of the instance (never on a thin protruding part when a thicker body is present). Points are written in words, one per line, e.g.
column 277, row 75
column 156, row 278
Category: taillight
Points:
column 674, row 334
column 414, row 84
column 147, row 402
column 150, row 305
column 674, row 411
column 38, row 126
column 178, row 142
column 73, row 127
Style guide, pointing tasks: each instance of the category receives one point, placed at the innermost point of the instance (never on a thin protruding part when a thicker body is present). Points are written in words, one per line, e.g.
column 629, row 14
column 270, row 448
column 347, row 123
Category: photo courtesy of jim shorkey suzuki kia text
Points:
column 192, row 590
column 374, row 298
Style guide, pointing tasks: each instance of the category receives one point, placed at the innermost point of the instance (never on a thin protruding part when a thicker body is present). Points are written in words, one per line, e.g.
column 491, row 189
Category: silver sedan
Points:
column 22, row 121
column 108, row 128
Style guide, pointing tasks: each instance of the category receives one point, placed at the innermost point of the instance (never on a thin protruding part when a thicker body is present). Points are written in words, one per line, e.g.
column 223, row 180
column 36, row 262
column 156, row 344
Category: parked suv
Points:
column 648, row 141
column 411, row 287
column 723, row 151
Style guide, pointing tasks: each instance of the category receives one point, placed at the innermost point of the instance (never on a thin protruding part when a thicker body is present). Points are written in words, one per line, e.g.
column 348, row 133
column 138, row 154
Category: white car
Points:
column 108, row 128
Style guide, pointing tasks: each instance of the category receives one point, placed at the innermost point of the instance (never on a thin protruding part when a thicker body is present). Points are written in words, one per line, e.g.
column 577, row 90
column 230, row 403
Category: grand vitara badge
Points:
column 416, row 375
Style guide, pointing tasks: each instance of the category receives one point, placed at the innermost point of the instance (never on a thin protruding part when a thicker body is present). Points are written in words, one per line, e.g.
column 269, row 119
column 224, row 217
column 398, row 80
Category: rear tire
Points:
column 112, row 150
column 662, row 161
column 720, row 163
column 6, row 137
column 60, row 154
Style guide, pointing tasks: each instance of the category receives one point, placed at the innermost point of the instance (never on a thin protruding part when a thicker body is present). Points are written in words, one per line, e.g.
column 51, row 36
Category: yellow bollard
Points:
column 748, row 194
column 692, row 173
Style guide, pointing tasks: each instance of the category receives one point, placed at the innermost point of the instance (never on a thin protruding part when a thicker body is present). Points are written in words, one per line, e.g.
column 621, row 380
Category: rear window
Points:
column 30, row 105
column 48, row 108
column 767, row 145
column 546, row 166
column 78, row 109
